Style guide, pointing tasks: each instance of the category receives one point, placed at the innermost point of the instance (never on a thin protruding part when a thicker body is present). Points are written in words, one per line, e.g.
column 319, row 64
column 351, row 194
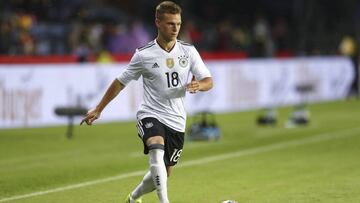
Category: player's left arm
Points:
column 203, row 80
column 204, row 84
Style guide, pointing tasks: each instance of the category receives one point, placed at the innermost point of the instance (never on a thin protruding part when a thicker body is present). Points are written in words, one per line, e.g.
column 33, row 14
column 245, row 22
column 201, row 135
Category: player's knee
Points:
column 155, row 140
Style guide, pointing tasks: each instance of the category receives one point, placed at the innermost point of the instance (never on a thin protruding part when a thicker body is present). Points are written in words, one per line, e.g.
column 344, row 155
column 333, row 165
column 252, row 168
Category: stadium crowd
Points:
column 258, row 28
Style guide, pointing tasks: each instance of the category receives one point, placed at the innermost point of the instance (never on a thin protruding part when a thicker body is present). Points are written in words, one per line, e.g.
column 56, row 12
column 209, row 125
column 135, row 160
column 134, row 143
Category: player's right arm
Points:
column 132, row 72
column 93, row 114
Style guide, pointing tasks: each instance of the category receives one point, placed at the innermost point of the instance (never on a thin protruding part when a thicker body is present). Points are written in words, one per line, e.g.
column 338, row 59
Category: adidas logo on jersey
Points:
column 155, row 65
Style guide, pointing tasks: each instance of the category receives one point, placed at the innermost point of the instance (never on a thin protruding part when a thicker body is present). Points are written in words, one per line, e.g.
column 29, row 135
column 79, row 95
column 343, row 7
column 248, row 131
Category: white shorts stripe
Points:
column 140, row 129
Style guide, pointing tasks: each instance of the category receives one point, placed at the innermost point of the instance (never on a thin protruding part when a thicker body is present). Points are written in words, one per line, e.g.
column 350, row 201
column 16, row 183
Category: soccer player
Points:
column 165, row 64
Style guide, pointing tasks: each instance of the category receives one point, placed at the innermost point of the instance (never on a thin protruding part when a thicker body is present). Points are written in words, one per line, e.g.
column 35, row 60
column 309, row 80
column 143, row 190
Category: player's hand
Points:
column 193, row 86
column 91, row 116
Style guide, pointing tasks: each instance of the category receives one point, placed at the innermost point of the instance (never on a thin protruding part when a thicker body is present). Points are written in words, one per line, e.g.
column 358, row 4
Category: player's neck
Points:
column 164, row 44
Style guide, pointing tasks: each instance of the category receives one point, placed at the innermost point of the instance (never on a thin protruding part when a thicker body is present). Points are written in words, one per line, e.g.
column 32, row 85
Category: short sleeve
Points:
column 133, row 70
column 198, row 68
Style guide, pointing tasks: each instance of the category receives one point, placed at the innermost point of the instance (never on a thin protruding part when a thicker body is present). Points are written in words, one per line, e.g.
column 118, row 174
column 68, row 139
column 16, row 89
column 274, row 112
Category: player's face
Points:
column 169, row 26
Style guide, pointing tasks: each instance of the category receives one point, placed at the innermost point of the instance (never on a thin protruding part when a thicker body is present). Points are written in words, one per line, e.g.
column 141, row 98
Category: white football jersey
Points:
column 165, row 75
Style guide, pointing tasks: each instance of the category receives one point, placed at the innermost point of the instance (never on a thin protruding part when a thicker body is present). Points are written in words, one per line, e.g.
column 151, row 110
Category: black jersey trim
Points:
column 184, row 43
column 150, row 44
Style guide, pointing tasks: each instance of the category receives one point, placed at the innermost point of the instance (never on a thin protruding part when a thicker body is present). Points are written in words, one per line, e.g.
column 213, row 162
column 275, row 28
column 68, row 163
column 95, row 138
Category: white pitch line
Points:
column 282, row 145
column 308, row 140
column 79, row 185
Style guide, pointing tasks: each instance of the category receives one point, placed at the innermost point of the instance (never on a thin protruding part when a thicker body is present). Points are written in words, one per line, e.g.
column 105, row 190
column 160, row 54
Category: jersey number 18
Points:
column 172, row 79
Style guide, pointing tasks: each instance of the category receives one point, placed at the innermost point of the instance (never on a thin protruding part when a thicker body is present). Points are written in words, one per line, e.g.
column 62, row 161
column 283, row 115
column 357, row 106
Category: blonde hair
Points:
column 167, row 7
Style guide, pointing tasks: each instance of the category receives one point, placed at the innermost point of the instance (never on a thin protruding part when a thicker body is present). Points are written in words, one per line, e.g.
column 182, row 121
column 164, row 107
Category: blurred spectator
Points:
column 118, row 39
column 104, row 57
column 26, row 42
column 263, row 44
column 96, row 31
column 241, row 39
column 280, row 34
column 82, row 27
column 224, row 32
column 7, row 39
column 82, row 47
column 138, row 36
column 348, row 47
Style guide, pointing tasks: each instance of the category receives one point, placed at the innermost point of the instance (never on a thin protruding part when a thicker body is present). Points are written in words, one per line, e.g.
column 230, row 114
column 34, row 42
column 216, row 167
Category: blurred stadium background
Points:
column 282, row 60
column 258, row 28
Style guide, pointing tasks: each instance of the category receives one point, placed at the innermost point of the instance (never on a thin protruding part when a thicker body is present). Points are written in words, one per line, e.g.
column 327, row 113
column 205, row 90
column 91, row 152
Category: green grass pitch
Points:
column 104, row 162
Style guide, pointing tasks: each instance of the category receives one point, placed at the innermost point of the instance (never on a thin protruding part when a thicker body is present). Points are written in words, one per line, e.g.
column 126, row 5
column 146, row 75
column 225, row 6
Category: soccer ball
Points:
column 229, row 201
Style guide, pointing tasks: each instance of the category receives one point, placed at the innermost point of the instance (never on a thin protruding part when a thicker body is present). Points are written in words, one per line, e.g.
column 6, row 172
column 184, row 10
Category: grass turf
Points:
column 327, row 170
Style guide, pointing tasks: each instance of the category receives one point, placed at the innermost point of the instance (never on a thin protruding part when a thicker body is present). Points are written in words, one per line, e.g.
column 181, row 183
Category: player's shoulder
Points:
column 183, row 43
column 147, row 46
column 187, row 47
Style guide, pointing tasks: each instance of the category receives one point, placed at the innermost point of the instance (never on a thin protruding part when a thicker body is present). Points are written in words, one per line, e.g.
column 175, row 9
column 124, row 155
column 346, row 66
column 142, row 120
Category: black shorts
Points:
column 174, row 140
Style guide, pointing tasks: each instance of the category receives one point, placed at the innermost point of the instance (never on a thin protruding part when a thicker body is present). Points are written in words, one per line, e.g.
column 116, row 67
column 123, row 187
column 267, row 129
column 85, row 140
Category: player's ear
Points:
column 157, row 22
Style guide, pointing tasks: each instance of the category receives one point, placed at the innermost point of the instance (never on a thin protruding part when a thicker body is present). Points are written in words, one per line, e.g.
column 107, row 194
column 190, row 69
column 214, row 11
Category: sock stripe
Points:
column 157, row 180
column 156, row 146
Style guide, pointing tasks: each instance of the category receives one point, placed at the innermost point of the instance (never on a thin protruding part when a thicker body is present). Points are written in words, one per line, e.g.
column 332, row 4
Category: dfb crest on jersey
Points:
column 183, row 61
column 170, row 62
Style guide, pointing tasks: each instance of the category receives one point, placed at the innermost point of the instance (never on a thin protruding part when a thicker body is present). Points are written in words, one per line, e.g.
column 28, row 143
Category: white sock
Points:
column 146, row 186
column 158, row 173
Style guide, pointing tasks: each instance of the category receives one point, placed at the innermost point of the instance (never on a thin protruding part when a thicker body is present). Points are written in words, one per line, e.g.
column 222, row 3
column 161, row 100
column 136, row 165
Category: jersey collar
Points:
column 163, row 48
